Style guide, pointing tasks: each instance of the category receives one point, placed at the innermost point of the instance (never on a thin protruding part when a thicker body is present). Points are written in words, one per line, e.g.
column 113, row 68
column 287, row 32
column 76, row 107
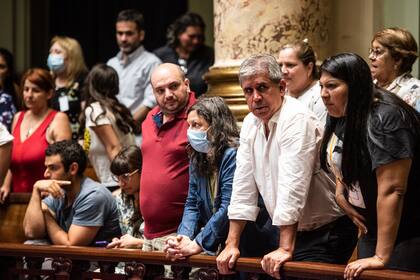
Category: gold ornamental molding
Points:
column 223, row 82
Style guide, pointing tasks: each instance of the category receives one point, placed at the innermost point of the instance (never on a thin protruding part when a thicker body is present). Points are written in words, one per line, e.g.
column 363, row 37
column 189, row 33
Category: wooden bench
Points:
column 11, row 217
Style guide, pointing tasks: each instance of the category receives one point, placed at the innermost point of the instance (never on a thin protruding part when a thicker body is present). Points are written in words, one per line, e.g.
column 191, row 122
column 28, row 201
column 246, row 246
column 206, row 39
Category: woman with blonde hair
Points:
column 392, row 54
column 69, row 70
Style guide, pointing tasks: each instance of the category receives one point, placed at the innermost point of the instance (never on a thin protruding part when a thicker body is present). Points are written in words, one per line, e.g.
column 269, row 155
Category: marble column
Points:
column 246, row 27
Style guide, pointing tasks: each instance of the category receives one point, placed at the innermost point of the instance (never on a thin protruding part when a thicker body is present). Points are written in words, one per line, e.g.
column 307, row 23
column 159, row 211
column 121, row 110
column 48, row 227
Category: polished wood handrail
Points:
column 18, row 198
column 294, row 269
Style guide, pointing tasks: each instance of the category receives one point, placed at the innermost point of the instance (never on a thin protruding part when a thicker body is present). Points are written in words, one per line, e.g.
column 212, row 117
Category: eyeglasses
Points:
column 375, row 52
column 123, row 177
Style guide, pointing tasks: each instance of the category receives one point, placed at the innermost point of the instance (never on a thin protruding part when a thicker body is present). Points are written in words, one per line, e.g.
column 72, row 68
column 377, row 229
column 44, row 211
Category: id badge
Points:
column 64, row 103
column 356, row 197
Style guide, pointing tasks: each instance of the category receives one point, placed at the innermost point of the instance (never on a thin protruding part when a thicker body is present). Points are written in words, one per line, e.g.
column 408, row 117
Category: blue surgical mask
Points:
column 55, row 62
column 198, row 140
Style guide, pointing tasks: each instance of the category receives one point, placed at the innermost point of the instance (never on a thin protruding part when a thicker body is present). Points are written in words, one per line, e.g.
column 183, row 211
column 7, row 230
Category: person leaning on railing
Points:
column 372, row 145
column 213, row 139
column 126, row 168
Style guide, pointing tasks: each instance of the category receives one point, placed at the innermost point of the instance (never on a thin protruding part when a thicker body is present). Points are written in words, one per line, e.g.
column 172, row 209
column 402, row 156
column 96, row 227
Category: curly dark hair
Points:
column 180, row 25
column 69, row 151
column 103, row 86
column 223, row 133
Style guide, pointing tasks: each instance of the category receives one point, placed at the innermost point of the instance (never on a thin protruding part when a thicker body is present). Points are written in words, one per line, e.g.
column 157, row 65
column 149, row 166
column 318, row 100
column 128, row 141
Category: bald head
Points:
column 166, row 69
column 170, row 87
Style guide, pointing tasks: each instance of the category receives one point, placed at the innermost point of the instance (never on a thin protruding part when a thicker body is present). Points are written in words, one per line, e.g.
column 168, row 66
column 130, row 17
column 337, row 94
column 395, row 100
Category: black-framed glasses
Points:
column 123, row 177
column 375, row 52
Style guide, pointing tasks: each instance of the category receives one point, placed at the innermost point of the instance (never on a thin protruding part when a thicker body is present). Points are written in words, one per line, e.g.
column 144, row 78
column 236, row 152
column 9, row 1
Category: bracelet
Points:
column 379, row 259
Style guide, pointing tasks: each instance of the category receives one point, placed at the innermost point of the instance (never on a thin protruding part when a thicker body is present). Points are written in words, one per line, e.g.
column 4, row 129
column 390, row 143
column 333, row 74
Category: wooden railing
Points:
column 66, row 259
column 11, row 217
column 137, row 263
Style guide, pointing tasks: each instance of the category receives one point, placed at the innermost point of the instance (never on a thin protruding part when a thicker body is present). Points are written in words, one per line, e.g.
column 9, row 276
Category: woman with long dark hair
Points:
column 108, row 124
column 372, row 145
column 213, row 137
column 185, row 47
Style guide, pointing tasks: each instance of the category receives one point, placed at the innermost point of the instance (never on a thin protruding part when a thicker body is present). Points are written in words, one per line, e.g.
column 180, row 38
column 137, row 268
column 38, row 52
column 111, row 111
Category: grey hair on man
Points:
column 258, row 64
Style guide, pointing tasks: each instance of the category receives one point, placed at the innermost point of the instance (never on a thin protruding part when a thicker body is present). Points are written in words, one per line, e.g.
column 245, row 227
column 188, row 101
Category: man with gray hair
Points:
column 278, row 160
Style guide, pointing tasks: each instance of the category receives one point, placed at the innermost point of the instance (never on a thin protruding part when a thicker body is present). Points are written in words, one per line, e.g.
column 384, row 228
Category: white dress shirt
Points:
column 284, row 169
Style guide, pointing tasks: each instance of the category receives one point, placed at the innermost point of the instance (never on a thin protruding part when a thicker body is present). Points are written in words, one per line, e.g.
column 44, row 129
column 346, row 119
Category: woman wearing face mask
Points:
column 68, row 68
column 298, row 66
column 392, row 54
column 213, row 136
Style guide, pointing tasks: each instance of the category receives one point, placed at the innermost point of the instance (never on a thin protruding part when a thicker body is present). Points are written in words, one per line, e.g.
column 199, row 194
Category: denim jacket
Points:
column 208, row 224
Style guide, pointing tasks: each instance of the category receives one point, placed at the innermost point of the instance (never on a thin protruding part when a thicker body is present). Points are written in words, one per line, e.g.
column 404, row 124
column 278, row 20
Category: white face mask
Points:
column 55, row 62
column 198, row 140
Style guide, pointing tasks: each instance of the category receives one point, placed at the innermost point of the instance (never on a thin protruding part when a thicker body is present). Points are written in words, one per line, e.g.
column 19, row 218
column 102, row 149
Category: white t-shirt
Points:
column 5, row 136
column 312, row 98
column 97, row 153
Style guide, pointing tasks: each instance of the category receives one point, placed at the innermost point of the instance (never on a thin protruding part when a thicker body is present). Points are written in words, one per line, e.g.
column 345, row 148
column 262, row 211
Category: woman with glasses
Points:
column 213, row 137
column 392, row 54
column 108, row 124
column 372, row 145
column 125, row 169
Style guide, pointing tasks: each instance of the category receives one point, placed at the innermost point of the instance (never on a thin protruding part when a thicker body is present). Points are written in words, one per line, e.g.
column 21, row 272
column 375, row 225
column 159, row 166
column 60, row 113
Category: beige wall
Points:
column 205, row 9
column 14, row 34
column 354, row 22
column 403, row 13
